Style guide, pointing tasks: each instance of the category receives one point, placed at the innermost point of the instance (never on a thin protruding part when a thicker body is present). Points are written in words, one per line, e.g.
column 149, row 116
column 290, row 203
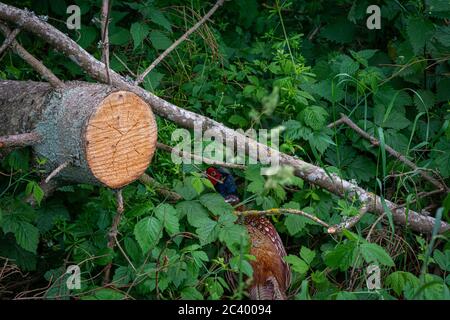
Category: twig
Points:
column 278, row 211
column 149, row 181
column 141, row 77
column 112, row 235
column 20, row 140
column 57, row 171
column 188, row 155
column 31, row 60
column 419, row 196
column 390, row 150
column 106, row 8
column 347, row 224
column 9, row 39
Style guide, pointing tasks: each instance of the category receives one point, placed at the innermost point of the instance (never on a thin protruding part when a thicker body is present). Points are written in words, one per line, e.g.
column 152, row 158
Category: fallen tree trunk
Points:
column 188, row 119
column 107, row 135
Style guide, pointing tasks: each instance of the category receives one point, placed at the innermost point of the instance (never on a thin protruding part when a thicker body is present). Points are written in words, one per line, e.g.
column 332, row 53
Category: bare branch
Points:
column 9, row 39
column 106, row 8
column 187, row 119
column 141, row 77
column 279, row 211
column 347, row 224
column 57, row 171
column 31, row 60
column 113, row 231
column 374, row 141
column 19, row 140
column 187, row 155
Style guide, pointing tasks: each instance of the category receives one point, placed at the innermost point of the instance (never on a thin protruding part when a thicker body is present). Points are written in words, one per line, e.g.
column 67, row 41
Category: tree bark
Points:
column 107, row 135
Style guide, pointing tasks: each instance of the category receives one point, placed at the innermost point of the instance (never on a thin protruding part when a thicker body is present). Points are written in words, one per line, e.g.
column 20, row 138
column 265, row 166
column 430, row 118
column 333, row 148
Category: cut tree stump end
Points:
column 120, row 139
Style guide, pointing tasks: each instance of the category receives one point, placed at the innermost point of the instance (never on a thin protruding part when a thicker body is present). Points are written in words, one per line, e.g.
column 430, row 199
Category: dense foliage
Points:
column 290, row 64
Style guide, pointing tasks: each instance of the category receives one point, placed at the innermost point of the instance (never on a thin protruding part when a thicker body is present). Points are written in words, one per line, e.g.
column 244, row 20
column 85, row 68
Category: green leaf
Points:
column 372, row 252
column 398, row 280
column 168, row 217
column 158, row 17
column 27, row 235
column 159, row 40
column 314, row 117
column 207, row 231
column 191, row 293
column 34, row 189
column 216, row 204
column 148, row 232
column 419, row 31
column 307, row 255
column 297, row 264
column 342, row 256
column 194, row 211
column 442, row 259
column 105, row 294
column 139, row 31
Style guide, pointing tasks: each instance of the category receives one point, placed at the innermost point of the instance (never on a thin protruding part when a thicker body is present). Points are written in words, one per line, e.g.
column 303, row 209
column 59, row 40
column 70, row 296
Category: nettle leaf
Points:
column 295, row 130
column 441, row 157
column 345, row 64
column 159, row 40
column 159, row 18
column 168, row 217
column 424, row 100
column 297, row 264
column 342, row 256
column 148, row 232
column 340, row 31
column 194, row 211
column 372, row 252
column 216, row 204
column 419, row 31
column 442, row 259
column 361, row 168
column 314, row 117
column 139, row 31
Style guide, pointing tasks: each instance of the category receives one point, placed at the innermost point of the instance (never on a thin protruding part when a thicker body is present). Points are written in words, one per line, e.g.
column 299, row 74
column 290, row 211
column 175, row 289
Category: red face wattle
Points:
column 213, row 175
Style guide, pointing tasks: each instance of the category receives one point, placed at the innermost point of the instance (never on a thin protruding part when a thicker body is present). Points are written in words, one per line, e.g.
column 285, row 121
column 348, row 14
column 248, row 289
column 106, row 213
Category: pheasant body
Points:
column 271, row 274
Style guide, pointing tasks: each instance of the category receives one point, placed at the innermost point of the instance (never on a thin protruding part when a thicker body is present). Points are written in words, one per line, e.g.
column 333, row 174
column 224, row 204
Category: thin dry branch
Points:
column 279, row 211
column 55, row 172
column 187, row 119
column 141, row 77
column 112, row 235
column 374, row 141
column 31, row 60
column 187, row 155
column 9, row 39
column 347, row 224
column 106, row 8
column 20, row 140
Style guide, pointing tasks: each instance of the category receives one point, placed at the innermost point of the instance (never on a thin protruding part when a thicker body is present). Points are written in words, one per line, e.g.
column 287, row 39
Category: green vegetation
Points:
column 256, row 64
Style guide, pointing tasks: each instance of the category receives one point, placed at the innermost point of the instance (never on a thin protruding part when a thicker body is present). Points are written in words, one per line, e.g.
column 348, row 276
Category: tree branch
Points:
column 187, row 119
column 149, row 181
column 106, row 8
column 31, row 60
column 55, row 172
column 141, row 77
column 279, row 211
column 389, row 149
column 347, row 224
column 9, row 39
column 112, row 235
column 187, row 155
column 19, row 140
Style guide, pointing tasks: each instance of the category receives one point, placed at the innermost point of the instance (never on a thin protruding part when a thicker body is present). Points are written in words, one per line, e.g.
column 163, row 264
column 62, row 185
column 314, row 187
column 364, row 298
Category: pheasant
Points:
column 271, row 274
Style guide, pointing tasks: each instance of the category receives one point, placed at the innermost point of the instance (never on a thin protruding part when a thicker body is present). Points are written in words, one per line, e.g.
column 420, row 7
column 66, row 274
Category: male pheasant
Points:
column 271, row 274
